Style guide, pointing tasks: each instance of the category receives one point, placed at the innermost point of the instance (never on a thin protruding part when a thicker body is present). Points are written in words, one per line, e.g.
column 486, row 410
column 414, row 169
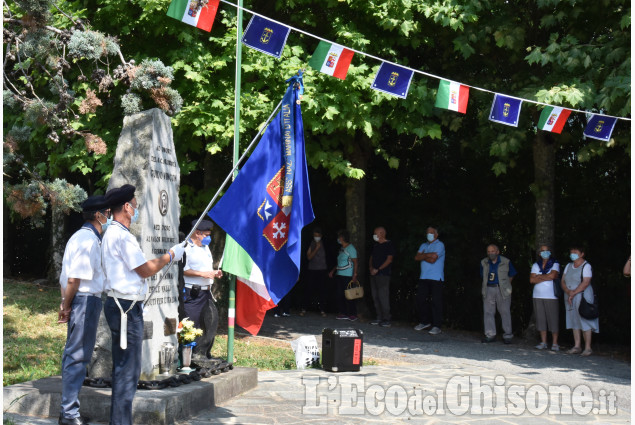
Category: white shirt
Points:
column 122, row 254
column 544, row 290
column 82, row 260
column 586, row 272
column 199, row 258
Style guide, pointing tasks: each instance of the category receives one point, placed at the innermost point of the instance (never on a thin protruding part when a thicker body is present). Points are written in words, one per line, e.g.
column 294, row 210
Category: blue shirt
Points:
column 433, row 271
column 345, row 266
column 492, row 279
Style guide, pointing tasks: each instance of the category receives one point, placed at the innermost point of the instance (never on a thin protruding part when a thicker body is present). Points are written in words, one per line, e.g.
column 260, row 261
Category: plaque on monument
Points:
column 145, row 158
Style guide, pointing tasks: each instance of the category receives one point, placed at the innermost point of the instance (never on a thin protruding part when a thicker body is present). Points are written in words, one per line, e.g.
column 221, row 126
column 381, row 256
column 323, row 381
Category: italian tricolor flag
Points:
column 252, row 297
column 191, row 13
column 331, row 59
column 452, row 96
column 553, row 118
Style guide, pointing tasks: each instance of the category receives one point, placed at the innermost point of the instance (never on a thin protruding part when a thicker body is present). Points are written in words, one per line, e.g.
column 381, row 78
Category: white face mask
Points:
column 317, row 238
column 376, row 238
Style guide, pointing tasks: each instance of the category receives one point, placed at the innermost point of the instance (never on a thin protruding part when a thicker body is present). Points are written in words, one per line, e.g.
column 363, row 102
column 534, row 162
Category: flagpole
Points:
column 231, row 312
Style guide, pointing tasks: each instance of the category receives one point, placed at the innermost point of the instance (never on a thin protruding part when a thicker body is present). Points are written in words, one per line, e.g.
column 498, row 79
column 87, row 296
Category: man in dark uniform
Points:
column 82, row 282
column 126, row 269
column 199, row 274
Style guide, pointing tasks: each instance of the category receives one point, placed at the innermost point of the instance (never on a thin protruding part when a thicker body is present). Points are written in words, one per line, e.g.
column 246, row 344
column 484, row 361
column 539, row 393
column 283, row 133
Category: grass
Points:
column 33, row 341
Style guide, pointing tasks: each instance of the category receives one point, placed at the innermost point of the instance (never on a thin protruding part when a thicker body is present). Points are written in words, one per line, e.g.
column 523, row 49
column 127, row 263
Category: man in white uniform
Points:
column 82, row 282
column 198, row 275
column 126, row 269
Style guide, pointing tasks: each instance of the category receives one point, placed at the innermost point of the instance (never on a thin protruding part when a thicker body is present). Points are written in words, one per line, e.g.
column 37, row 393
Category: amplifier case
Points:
column 342, row 349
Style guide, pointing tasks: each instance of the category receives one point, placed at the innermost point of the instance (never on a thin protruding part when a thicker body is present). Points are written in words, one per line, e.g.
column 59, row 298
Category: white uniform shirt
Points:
column 122, row 254
column 544, row 290
column 82, row 260
column 199, row 258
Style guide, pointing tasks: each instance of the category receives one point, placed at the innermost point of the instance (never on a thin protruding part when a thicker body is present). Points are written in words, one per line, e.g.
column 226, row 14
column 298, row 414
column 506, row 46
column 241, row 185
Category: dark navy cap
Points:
column 203, row 225
column 95, row 203
column 120, row 195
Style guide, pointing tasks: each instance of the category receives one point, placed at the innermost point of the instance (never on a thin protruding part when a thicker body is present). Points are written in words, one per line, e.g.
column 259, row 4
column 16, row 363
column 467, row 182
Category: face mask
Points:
column 492, row 256
column 135, row 217
column 206, row 240
column 545, row 254
column 574, row 257
column 317, row 238
column 339, row 241
column 430, row 237
column 105, row 225
column 376, row 238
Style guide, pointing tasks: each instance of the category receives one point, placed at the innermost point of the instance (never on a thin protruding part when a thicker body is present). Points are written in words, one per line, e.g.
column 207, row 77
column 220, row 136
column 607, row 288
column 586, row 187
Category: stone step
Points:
column 157, row 407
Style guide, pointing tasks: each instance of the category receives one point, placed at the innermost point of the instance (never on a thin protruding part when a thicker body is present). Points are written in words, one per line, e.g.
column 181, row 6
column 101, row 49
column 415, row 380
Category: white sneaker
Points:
column 435, row 331
column 555, row 347
column 541, row 346
column 422, row 326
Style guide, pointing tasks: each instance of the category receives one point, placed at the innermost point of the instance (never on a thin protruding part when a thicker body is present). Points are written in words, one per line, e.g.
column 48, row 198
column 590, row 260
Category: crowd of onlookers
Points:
column 554, row 285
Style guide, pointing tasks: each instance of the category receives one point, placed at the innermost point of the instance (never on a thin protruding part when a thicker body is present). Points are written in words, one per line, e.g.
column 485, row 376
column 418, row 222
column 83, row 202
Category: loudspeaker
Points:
column 342, row 350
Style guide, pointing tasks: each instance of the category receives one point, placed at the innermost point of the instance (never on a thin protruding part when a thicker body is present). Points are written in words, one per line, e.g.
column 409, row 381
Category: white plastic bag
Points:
column 306, row 351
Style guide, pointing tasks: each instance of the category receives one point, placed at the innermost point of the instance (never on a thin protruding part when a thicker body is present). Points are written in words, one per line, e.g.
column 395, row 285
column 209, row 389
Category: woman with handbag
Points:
column 576, row 283
column 345, row 272
column 546, row 305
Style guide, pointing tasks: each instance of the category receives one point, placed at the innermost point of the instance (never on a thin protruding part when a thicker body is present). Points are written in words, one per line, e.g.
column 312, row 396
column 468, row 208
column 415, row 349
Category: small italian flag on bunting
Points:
column 194, row 12
column 553, row 118
column 452, row 96
column 331, row 59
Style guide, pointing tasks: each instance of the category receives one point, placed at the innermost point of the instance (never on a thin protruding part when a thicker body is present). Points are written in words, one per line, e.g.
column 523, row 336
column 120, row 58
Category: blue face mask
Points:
column 105, row 225
column 206, row 240
column 574, row 257
column 135, row 217
column 430, row 237
column 545, row 254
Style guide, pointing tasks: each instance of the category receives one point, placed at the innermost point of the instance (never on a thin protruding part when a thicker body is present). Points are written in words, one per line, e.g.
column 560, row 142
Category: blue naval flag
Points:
column 266, row 207
column 505, row 110
column 266, row 36
column 600, row 127
column 393, row 79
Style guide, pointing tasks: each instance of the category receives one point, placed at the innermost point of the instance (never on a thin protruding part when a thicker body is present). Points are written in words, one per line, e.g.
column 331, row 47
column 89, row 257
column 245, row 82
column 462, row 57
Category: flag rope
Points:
column 417, row 71
column 209, row 206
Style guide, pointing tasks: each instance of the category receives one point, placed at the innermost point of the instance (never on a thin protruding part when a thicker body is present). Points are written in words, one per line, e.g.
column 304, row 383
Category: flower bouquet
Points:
column 187, row 334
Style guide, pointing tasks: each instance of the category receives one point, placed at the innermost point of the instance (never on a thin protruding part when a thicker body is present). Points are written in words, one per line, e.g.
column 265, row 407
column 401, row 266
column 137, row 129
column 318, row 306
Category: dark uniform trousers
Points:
column 126, row 364
column 80, row 342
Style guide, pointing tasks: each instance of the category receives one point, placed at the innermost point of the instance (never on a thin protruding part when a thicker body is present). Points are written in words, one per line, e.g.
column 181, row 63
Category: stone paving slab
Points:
column 316, row 396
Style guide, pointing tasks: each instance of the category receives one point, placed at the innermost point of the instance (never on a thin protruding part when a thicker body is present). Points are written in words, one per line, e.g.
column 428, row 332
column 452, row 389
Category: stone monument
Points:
column 145, row 158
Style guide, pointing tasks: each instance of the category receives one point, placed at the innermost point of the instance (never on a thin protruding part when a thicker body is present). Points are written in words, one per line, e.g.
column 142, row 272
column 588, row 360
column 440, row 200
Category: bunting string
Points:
column 413, row 70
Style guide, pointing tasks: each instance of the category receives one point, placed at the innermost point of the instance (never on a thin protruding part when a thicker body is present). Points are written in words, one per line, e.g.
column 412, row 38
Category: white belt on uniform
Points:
column 203, row 288
column 129, row 297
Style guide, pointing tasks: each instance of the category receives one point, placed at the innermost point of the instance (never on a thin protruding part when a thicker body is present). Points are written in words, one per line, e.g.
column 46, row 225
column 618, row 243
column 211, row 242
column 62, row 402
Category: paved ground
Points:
column 448, row 378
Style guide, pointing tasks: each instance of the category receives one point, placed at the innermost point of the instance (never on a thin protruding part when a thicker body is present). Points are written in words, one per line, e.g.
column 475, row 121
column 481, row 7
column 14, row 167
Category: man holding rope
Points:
column 126, row 269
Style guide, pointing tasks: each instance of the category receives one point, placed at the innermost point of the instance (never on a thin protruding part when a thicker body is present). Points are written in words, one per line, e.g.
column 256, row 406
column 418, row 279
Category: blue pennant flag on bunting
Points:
column 266, row 36
column 393, row 79
column 505, row 110
column 600, row 127
column 266, row 207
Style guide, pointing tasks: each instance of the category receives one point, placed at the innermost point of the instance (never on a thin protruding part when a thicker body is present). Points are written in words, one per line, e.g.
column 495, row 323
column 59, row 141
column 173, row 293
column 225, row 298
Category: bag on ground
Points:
column 307, row 352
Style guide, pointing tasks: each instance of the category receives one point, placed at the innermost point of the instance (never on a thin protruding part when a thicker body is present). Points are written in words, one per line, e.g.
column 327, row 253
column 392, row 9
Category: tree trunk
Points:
column 58, row 244
column 356, row 212
column 544, row 175
column 544, row 183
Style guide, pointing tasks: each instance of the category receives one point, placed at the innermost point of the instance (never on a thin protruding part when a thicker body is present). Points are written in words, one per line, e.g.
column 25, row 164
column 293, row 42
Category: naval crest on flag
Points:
column 276, row 229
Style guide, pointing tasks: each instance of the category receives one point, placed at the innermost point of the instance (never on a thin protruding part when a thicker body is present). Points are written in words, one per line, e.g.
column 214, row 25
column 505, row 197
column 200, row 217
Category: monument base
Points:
column 156, row 407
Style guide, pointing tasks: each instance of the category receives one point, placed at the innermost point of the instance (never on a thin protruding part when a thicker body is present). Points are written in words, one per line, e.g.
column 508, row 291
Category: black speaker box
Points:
column 342, row 350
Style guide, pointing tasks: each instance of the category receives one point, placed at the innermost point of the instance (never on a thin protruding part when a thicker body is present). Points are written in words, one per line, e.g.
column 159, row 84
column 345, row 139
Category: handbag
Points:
column 587, row 310
column 557, row 288
column 354, row 290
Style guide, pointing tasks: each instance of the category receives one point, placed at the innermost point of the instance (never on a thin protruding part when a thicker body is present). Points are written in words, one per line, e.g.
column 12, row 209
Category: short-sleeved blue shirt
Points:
column 433, row 271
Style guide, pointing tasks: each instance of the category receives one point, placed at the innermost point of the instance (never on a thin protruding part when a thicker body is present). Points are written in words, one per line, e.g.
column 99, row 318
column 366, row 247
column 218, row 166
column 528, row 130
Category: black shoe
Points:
column 488, row 339
column 507, row 340
column 73, row 421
